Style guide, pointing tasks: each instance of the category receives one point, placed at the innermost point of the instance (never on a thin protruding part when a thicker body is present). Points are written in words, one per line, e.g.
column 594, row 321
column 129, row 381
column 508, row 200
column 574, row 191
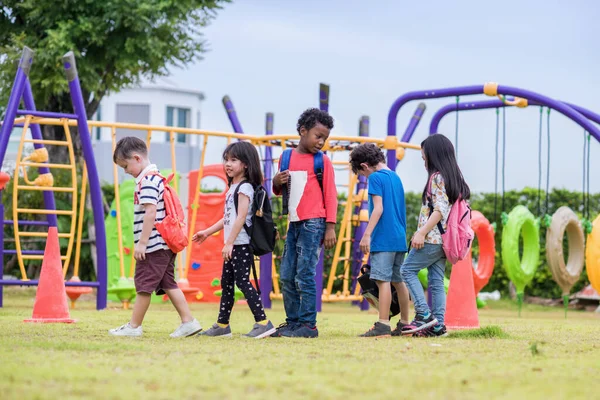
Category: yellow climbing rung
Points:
column 34, row 211
column 41, row 234
column 46, row 188
column 38, row 257
column 41, row 165
column 50, row 142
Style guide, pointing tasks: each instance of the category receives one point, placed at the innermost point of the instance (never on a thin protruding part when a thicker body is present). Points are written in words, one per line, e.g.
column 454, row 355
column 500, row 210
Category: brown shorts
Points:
column 156, row 273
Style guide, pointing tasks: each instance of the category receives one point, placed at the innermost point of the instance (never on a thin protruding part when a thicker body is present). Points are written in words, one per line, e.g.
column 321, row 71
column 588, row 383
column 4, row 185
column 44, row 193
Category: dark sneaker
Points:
column 378, row 330
column 439, row 330
column 217, row 331
column 400, row 327
column 427, row 332
column 302, row 331
column 261, row 331
column 420, row 322
column 282, row 328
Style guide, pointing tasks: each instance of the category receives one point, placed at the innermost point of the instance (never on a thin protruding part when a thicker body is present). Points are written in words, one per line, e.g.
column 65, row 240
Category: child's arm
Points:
column 242, row 210
column 365, row 242
column 331, row 202
column 139, row 252
column 439, row 199
column 280, row 179
column 418, row 239
column 202, row 235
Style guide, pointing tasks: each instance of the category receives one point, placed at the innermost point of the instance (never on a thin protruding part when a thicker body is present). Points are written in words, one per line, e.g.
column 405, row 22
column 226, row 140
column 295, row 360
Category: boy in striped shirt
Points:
column 154, row 270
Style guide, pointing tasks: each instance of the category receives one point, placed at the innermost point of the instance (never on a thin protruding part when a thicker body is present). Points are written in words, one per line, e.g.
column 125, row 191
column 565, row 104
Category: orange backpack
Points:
column 172, row 228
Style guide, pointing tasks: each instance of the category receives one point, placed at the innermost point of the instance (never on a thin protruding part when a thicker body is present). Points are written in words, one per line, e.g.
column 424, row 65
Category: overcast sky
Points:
column 271, row 55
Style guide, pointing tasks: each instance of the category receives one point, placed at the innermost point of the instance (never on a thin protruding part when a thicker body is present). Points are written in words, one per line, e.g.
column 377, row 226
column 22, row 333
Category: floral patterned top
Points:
column 440, row 202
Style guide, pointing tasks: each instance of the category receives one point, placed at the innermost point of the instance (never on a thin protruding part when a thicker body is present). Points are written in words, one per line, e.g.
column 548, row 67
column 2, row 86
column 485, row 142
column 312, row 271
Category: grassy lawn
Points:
column 539, row 355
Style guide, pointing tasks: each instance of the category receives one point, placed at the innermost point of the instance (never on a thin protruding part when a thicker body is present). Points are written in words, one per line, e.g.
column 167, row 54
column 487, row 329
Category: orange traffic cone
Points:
column 461, row 307
column 50, row 299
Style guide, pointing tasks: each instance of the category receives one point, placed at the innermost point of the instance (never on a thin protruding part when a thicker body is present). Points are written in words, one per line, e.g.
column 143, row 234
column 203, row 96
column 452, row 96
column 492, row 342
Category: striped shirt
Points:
column 149, row 189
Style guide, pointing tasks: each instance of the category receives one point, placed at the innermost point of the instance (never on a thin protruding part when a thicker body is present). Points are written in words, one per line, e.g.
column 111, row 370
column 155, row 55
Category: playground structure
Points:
column 202, row 206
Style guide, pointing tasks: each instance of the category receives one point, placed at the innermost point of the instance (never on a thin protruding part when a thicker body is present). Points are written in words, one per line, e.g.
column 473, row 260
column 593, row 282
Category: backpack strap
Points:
column 246, row 228
column 430, row 202
column 286, row 156
column 138, row 186
column 319, row 168
column 235, row 204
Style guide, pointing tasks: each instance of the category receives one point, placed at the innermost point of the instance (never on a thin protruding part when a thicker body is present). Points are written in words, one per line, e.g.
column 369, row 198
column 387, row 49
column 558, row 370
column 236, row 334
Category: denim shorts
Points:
column 385, row 265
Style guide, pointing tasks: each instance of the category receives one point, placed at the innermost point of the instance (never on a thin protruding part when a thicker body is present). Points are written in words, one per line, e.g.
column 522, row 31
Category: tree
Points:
column 117, row 43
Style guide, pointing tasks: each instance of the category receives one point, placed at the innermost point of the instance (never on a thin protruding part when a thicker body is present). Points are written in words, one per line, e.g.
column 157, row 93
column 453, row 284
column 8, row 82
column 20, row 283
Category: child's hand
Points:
column 200, row 236
column 418, row 240
column 365, row 244
column 226, row 252
column 330, row 238
column 139, row 251
column 281, row 178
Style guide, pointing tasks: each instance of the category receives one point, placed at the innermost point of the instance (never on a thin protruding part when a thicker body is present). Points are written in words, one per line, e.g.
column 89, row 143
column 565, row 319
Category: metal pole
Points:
column 94, row 181
column 235, row 122
column 266, row 266
column 14, row 100
column 363, row 130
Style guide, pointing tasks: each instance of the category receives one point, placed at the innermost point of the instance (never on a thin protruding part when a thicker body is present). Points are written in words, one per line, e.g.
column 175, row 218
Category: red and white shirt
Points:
column 306, row 198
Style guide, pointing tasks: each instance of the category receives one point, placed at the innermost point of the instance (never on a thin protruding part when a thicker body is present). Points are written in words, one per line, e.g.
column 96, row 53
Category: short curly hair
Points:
column 311, row 117
column 367, row 153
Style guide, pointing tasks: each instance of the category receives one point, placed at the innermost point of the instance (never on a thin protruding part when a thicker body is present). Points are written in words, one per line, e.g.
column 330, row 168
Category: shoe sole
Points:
column 378, row 336
column 266, row 334
column 188, row 335
column 227, row 335
column 420, row 328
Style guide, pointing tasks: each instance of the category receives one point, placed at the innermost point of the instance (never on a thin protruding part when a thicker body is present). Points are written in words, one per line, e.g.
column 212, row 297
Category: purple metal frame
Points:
column 564, row 109
column 363, row 130
column 235, row 122
column 323, row 106
column 22, row 88
column 266, row 261
column 482, row 105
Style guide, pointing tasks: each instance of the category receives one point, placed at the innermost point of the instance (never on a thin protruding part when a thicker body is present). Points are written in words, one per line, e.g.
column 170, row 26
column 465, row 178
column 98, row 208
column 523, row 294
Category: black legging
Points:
column 237, row 272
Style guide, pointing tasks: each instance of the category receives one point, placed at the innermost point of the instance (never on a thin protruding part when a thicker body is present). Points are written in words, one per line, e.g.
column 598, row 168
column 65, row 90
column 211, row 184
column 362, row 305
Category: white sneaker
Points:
column 126, row 330
column 187, row 329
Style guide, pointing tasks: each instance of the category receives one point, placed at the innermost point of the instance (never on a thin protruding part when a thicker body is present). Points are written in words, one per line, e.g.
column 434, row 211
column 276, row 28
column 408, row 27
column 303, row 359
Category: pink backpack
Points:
column 458, row 235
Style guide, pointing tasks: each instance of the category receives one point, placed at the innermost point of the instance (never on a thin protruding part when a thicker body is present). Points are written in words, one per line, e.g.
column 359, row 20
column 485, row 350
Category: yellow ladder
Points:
column 344, row 240
column 44, row 182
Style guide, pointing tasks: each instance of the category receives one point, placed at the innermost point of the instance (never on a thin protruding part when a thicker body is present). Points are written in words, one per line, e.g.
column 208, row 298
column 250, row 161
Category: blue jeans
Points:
column 298, row 269
column 432, row 257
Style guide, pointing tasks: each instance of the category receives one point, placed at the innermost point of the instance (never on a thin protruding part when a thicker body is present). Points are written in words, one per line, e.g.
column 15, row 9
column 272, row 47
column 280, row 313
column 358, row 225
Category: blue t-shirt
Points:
column 390, row 232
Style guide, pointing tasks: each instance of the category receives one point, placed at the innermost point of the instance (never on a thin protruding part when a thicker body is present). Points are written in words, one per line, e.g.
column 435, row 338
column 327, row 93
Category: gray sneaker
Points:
column 261, row 331
column 378, row 330
column 217, row 331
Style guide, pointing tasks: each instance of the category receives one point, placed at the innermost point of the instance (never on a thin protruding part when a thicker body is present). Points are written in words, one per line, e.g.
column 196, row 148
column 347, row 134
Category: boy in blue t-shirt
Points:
column 385, row 236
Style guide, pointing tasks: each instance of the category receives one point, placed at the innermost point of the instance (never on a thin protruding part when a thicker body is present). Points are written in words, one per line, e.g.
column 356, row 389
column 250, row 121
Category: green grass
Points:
column 536, row 356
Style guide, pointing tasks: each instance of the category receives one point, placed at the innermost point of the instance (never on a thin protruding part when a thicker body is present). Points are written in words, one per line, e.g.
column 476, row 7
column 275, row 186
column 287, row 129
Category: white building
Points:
column 160, row 103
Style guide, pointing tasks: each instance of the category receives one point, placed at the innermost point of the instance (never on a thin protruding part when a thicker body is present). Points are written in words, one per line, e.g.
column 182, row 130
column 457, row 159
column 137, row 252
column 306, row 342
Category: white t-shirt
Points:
column 149, row 189
column 230, row 214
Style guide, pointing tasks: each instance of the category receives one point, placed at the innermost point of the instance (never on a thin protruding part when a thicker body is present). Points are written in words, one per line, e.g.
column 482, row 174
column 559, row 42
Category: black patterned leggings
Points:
column 237, row 272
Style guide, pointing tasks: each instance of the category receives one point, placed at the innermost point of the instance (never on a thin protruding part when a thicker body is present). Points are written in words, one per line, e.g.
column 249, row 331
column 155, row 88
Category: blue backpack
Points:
column 285, row 165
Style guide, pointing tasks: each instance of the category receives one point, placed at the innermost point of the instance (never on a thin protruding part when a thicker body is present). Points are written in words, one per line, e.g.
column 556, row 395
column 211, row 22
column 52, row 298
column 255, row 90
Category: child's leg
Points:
column 416, row 260
column 288, row 271
column 242, row 264
column 403, row 300
column 142, row 302
column 310, row 237
column 385, row 300
column 227, row 293
column 178, row 299
column 435, row 277
column 401, row 290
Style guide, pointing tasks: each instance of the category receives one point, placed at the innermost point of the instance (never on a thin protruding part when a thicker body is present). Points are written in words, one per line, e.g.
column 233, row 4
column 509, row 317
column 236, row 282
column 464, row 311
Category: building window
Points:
column 179, row 117
column 98, row 118
column 134, row 114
